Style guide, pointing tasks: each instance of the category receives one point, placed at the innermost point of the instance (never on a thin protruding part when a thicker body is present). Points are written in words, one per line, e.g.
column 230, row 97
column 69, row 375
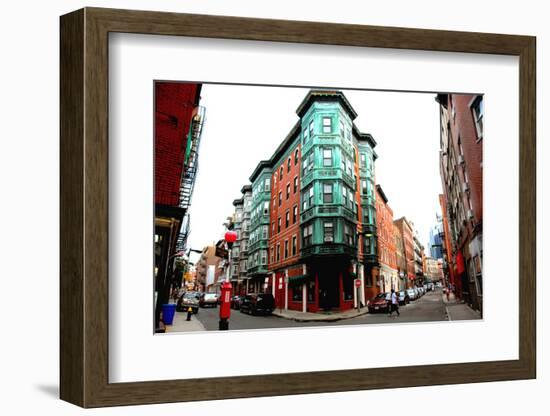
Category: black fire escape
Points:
column 189, row 175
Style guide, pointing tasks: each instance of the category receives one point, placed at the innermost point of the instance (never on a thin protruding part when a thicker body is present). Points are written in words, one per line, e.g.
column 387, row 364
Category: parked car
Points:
column 236, row 302
column 418, row 292
column 255, row 303
column 413, row 294
column 438, row 285
column 208, row 300
column 403, row 297
column 188, row 300
column 379, row 303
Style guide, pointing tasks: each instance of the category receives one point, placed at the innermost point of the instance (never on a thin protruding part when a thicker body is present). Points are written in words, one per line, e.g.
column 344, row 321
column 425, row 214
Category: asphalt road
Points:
column 428, row 308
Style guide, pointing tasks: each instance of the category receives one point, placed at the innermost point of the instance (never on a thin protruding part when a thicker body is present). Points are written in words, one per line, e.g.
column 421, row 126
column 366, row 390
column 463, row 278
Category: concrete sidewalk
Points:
column 318, row 317
column 457, row 310
column 180, row 324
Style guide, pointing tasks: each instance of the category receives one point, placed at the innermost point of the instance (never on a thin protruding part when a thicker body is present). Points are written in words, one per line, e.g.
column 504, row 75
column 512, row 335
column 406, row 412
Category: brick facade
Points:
column 386, row 243
column 406, row 231
column 174, row 107
column 461, row 165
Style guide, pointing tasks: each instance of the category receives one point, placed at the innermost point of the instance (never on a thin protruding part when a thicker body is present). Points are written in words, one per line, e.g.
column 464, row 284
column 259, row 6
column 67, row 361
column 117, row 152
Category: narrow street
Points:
column 428, row 308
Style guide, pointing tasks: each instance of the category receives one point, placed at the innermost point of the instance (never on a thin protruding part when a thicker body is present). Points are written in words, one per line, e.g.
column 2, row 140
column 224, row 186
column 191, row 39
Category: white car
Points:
column 413, row 294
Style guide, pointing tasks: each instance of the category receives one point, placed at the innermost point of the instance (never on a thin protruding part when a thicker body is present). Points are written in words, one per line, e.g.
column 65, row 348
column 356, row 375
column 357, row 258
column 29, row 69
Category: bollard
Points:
column 189, row 313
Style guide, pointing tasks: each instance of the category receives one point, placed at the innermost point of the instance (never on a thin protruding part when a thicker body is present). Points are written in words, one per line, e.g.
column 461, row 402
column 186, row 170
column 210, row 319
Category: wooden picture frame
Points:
column 84, row 207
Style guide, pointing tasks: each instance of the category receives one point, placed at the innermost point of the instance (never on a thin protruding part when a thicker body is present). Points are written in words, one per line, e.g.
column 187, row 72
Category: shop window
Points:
column 311, row 291
column 297, row 293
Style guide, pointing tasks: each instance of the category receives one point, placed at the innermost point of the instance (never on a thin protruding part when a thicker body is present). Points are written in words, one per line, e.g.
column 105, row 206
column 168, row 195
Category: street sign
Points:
column 357, row 282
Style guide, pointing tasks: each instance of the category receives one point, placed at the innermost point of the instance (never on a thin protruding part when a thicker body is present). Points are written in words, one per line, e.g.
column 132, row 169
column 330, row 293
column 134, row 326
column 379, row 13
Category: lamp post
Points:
column 225, row 306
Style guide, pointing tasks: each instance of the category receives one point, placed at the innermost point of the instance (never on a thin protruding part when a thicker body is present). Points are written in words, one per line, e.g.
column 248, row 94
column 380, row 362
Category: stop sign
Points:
column 357, row 283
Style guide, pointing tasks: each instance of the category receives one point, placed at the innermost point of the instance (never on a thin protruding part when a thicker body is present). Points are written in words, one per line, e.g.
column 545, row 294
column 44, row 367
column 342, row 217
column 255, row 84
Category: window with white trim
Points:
column 327, row 192
column 328, row 231
column 477, row 110
column 327, row 157
column 327, row 125
column 307, row 235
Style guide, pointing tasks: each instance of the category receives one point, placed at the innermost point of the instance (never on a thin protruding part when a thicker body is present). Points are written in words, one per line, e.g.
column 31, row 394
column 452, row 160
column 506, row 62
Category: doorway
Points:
column 329, row 288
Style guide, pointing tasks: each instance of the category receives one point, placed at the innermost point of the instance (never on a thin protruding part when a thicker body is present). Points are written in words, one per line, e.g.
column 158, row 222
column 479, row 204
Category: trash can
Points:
column 168, row 312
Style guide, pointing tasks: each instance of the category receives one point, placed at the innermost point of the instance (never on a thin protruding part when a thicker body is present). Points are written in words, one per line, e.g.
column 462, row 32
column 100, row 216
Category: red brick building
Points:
column 175, row 106
column 284, row 235
column 461, row 166
column 388, row 277
column 177, row 131
column 406, row 231
column 448, row 270
column 400, row 259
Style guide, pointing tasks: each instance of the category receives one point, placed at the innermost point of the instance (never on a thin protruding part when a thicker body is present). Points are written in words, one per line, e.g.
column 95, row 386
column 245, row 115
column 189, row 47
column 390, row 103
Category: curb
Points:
column 320, row 319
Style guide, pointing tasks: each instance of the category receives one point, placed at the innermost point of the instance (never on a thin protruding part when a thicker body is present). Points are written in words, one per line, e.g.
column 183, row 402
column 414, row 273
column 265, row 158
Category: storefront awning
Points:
column 295, row 280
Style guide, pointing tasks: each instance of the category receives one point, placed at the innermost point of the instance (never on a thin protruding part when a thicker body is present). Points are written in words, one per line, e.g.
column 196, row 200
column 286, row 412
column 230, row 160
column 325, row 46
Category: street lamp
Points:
column 225, row 306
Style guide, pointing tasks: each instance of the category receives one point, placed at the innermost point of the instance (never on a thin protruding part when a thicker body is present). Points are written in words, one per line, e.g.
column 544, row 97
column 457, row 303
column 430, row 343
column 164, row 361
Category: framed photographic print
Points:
column 249, row 206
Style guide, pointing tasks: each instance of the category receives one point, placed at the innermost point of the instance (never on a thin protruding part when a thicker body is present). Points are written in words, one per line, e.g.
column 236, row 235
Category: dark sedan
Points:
column 379, row 303
column 236, row 302
column 256, row 303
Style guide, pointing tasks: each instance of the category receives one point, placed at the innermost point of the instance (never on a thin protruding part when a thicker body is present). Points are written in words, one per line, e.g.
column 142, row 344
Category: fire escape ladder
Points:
column 190, row 170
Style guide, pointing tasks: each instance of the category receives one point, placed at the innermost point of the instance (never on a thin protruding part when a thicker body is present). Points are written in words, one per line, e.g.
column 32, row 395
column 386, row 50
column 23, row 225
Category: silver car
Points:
column 413, row 294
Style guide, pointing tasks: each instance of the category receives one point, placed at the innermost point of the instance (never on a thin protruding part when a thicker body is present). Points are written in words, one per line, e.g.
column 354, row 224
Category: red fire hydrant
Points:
column 225, row 306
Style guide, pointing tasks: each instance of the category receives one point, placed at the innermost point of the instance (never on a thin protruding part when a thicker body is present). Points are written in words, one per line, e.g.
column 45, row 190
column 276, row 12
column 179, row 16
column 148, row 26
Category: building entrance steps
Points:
column 319, row 317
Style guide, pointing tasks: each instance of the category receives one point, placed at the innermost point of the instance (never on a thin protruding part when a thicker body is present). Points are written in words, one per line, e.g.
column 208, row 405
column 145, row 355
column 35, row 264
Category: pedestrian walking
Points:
column 394, row 305
column 448, row 293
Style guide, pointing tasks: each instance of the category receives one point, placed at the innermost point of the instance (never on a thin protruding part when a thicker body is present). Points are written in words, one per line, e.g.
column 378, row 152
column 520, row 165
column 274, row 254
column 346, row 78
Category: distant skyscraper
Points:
column 436, row 244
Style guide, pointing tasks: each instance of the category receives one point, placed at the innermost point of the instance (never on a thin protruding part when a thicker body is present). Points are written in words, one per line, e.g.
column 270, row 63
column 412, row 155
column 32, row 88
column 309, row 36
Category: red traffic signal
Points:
column 230, row 237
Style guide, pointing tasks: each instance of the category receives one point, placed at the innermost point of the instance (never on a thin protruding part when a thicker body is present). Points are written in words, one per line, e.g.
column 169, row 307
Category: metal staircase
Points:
column 190, row 170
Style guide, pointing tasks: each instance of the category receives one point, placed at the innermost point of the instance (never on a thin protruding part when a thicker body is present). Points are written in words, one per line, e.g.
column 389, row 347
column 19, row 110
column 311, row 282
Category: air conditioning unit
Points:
column 465, row 187
column 461, row 159
column 328, row 239
column 470, row 214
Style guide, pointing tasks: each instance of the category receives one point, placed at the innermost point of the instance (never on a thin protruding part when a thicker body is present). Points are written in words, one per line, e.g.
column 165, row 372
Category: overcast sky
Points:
column 245, row 124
